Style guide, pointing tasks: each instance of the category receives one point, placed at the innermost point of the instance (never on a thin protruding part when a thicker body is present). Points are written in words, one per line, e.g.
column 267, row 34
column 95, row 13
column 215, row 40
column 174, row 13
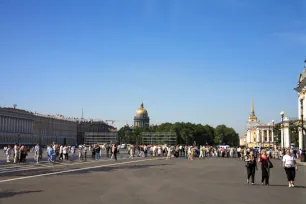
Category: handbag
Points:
column 270, row 165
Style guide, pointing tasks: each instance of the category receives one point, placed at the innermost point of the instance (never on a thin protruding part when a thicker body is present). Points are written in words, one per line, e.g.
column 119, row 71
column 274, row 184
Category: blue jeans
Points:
column 97, row 155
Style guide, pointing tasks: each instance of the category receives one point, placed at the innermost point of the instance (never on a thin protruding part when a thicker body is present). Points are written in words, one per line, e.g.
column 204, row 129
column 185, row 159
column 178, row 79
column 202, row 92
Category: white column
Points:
column 248, row 136
column 285, row 142
column 268, row 136
column 257, row 135
column 263, row 137
column 272, row 136
column 300, row 139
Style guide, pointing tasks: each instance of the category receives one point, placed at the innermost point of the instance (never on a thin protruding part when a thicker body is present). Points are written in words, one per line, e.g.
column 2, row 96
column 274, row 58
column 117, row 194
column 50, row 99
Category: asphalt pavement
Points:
column 150, row 180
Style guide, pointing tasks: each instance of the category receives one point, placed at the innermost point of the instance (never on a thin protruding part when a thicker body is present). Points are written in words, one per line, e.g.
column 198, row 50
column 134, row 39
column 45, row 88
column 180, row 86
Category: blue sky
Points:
column 198, row 61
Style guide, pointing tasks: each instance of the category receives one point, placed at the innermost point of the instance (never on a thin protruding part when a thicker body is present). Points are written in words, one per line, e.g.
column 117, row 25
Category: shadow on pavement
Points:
column 7, row 194
column 114, row 168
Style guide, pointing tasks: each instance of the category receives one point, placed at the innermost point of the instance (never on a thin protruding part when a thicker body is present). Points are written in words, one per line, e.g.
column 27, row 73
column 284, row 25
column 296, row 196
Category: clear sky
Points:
column 198, row 61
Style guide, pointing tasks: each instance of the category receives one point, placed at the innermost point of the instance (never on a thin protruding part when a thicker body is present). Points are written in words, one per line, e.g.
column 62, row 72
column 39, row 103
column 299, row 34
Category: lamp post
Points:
column 303, row 159
column 272, row 136
column 282, row 136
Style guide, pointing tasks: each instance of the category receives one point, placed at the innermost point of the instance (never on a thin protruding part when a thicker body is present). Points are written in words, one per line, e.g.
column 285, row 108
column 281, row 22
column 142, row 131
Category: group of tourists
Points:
column 17, row 153
column 96, row 151
column 254, row 156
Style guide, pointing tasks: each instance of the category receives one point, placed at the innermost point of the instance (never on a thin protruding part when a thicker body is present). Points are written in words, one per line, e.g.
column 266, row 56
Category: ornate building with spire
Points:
column 257, row 134
column 142, row 118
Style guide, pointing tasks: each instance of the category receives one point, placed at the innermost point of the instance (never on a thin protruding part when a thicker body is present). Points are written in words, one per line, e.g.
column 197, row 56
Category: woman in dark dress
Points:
column 265, row 171
column 251, row 166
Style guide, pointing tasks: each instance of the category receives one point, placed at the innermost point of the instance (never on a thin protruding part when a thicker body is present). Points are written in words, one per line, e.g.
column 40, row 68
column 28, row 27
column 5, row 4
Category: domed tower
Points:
column 142, row 118
column 252, row 118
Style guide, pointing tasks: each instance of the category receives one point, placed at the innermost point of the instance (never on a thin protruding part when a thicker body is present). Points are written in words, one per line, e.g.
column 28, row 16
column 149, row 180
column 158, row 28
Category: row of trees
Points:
column 187, row 133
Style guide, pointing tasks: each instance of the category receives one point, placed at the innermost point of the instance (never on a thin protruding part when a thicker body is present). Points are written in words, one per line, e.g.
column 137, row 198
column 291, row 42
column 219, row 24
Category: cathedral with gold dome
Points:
column 142, row 118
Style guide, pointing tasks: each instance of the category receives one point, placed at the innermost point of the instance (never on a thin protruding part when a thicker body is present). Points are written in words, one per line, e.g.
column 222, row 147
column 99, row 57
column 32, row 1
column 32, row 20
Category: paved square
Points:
column 150, row 181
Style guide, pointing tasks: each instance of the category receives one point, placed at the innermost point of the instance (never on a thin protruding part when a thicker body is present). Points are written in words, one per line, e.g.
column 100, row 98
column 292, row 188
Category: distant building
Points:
column 90, row 128
column 257, row 134
column 25, row 127
column 142, row 118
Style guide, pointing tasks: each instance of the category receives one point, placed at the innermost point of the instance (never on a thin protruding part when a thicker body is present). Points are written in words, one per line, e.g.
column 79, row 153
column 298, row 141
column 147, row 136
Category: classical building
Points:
column 257, row 134
column 25, row 127
column 142, row 118
column 301, row 90
column 55, row 128
column 16, row 126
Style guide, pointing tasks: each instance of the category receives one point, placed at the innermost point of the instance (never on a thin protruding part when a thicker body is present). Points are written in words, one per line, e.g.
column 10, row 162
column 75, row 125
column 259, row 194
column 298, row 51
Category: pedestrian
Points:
column 97, row 150
column 114, row 151
column 61, row 153
column 290, row 166
column 265, row 170
column 201, row 152
column 37, row 150
column 65, row 152
column 168, row 153
column 251, row 166
column 8, row 153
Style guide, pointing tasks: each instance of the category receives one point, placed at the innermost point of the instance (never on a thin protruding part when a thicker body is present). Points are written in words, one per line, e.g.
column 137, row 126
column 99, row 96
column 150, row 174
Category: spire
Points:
column 82, row 114
column 252, row 107
column 252, row 114
column 141, row 105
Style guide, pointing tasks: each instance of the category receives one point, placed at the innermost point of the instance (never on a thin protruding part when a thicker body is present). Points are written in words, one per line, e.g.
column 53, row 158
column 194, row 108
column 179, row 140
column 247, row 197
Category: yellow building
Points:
column 258, row 135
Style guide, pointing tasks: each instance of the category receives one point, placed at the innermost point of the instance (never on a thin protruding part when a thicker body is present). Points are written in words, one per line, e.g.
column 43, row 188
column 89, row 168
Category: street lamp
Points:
column 303, row 159
column 272, row 136
column 282, row 137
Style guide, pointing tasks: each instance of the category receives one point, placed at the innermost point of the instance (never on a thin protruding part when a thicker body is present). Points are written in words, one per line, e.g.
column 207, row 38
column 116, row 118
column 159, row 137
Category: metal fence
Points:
column 100, row 137
column 158, row 138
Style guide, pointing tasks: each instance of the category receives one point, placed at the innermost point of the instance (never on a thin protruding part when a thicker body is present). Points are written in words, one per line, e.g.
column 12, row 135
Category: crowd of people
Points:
column 251, row 157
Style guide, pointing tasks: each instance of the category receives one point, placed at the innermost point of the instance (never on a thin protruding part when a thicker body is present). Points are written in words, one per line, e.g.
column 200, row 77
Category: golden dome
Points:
column 141, row 112
column 252, row 117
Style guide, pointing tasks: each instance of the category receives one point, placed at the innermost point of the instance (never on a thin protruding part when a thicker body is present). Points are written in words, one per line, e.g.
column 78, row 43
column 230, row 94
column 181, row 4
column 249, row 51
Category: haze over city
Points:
column 199, row 62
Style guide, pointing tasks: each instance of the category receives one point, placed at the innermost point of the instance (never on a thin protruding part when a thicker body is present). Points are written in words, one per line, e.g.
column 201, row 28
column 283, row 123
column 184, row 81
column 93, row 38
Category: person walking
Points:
column 114, row 151
column 37, row 155
column 251, row 166
column 201, row 152
column 265, row 170
column 290, row 166
column 8, row 153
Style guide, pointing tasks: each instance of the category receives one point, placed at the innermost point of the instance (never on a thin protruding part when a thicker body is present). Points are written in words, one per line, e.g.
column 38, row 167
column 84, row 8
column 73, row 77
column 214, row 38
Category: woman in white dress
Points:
column 168, row 153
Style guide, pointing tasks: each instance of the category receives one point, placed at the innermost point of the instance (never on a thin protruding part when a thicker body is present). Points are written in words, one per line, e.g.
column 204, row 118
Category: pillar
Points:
column 248, row 136
column 285, row 134
column 300, row 139
column 257, row 135
column 272, row 136
column 263, row 137
column 268, row 135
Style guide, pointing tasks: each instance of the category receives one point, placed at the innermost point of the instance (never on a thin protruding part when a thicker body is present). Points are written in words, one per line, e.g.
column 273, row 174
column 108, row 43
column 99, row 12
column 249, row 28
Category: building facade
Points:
column 25, row 127
column 16, row 126
column 257, row 134
column 142, row 118
column 301, row 92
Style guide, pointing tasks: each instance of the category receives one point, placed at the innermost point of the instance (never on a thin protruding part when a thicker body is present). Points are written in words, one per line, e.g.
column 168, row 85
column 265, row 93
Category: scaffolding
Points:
column 159, row 138
column 100, row 138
